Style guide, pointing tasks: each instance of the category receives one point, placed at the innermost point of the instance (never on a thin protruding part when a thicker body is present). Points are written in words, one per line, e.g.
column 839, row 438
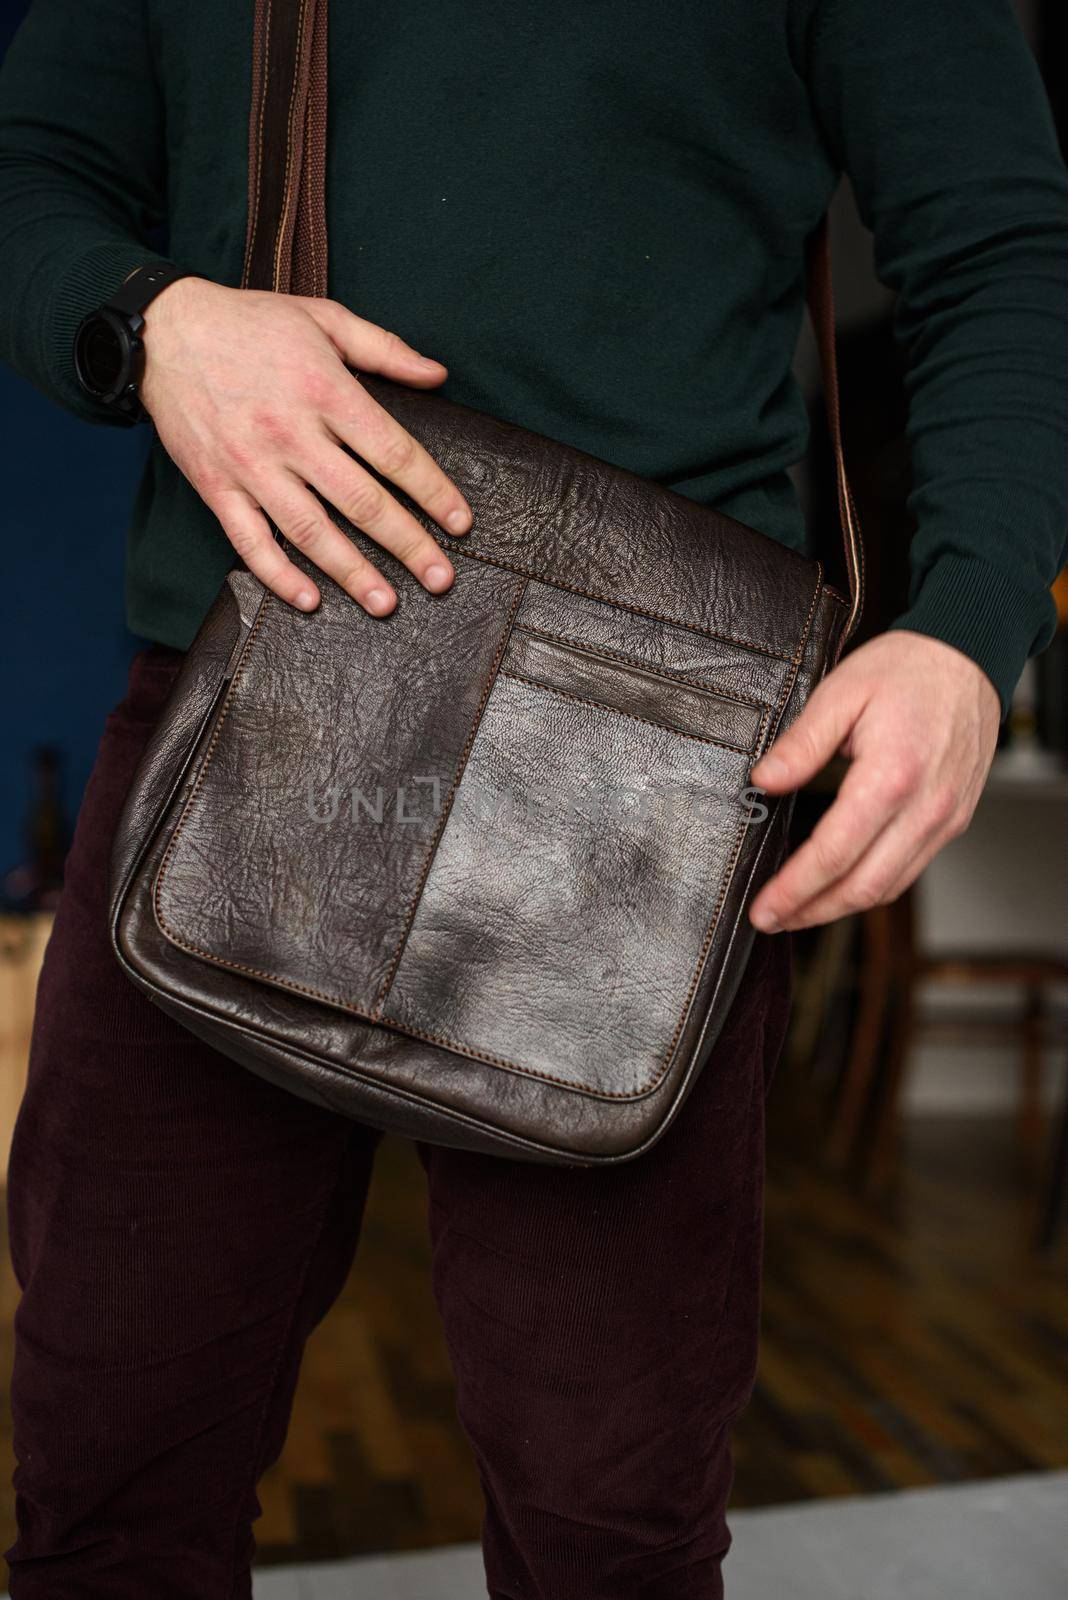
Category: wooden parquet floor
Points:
column 918, row 1341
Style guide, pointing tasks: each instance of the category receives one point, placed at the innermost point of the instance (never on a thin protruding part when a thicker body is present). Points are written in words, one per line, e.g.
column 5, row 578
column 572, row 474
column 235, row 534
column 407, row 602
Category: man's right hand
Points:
column 252, row 399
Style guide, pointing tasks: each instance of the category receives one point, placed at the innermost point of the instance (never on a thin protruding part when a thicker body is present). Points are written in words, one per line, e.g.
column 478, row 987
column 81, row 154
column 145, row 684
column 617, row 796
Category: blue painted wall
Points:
column 64, row 648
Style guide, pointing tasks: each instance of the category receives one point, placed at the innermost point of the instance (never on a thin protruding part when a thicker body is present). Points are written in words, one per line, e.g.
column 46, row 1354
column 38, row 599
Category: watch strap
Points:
column 140, row 288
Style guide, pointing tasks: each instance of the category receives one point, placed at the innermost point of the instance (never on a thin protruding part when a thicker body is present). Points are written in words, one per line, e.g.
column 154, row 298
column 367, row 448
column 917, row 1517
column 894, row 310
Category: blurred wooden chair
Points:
column 22, row 944
column 1055, row 1202
column 865, row 1118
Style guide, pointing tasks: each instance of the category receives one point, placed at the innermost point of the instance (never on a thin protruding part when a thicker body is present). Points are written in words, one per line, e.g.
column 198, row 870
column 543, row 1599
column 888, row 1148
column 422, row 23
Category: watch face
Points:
column 103, row 353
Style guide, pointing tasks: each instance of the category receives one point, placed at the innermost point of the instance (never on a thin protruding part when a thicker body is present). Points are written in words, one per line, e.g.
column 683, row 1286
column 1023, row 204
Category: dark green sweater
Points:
column 593, row 211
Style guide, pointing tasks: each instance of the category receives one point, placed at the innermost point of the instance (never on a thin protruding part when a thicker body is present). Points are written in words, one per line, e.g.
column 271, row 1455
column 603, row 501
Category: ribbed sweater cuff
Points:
column 984, row 613
column 91, row 280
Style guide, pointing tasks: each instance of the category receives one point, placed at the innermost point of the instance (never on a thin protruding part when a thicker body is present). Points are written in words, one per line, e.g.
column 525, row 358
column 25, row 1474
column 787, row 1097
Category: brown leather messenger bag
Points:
column 478, row 872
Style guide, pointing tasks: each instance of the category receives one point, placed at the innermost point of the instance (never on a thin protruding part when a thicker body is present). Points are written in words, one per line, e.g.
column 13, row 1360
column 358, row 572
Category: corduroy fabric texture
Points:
column 178, row 1227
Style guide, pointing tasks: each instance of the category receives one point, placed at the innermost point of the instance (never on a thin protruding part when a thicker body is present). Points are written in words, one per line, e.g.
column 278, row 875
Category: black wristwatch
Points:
column 109, row 357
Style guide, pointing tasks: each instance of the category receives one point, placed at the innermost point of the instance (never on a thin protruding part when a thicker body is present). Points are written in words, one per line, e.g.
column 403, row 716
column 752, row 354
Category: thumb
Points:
column 368, row 347
column 807, row 746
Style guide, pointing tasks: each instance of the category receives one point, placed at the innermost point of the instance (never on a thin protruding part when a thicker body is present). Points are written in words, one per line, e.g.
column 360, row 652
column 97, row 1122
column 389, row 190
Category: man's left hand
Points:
column 918, row 721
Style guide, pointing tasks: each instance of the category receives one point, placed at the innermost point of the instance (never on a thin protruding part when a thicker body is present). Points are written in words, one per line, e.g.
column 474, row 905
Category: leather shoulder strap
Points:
column 820, row 289
column 286, row 243
column 285, row 246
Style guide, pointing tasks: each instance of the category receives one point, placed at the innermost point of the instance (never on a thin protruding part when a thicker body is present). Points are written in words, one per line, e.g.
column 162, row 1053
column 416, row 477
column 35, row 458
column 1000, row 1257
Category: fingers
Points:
column 308, row 528
column 379, row 440
column 314, row 458
column 864, row 883
column 363, row 501
column 304, row 522
column 249, row 532
column 254, row 404
column 862, row 810
column 806, row 747
column 861, row 854
column 918, row 721
column 893, row 863
column 373, row 349
column 858, row 816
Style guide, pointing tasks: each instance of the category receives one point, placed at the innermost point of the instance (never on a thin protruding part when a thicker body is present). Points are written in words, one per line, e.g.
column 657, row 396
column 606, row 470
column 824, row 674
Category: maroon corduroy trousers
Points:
column 178, row 1227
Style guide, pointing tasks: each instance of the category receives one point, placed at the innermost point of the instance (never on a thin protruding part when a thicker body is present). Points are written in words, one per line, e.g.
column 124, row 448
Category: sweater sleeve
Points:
column 936, row 111
column 81, row 180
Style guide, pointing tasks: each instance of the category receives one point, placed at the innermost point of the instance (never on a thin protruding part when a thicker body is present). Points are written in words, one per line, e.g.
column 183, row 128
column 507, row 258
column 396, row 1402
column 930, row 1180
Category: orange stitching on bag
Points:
column 512, row 1066
column 446, row 809
column 615, row 711
column 380, row 1020
column 268, row 977
column 799, row 654
column 642, row 666
column 710, row 933
column 224, row 712
column 607, row 600
column 728, row 877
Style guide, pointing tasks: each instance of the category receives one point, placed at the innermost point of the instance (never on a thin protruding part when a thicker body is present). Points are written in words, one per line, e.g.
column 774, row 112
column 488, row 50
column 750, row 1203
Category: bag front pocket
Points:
column 575, row 889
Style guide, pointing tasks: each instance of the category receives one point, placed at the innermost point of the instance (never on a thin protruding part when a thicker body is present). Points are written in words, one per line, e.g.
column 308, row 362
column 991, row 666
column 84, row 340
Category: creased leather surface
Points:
column 197, row 688
column 568, row 902
column 746, row 673
column 634, row 691
column 536, row 980
column 294, row 858
column 558, row 514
